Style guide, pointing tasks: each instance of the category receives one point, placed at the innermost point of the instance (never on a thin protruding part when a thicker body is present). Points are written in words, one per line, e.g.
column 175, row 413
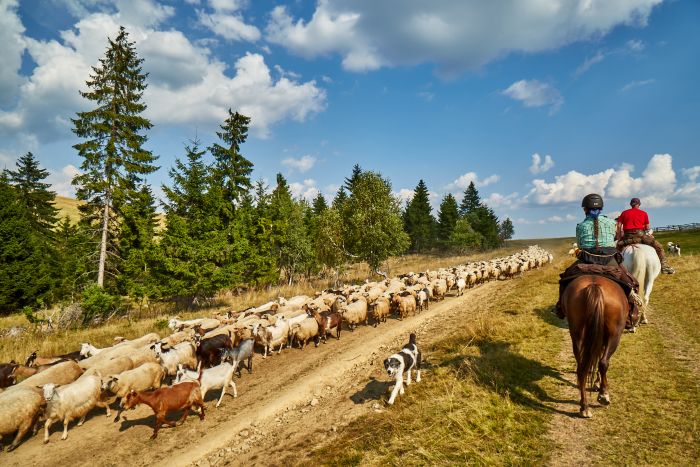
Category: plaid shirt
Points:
column 585, row 232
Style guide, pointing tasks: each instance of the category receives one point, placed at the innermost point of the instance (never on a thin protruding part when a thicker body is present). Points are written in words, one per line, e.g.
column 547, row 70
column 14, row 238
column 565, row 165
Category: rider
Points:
column 633, row 227
column 595, row 237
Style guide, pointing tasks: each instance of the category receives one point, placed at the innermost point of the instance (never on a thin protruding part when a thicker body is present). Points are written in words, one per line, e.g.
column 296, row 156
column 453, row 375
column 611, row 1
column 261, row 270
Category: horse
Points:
column 643, row 263
column 596, row 309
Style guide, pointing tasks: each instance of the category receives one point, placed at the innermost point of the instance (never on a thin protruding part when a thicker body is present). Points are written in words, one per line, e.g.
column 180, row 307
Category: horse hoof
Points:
column 604, row 399
column 645, row 321
column 633, row 330
column 586, row 413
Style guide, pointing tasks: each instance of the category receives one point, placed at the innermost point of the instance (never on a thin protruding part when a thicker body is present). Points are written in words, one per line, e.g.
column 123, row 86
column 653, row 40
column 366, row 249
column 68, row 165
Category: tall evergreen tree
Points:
column 447, row 218
column 232, row 170
column 340, row 197
column 470, row 201
column 352, row 179
column 34, row 193
column 319, row 204
column 484, row 221
column 114, row 160
column 418, row 219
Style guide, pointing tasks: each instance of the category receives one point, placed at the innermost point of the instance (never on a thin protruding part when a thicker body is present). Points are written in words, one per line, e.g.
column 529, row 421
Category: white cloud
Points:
column 61, row 181
column 463, row 181
column 692, row 173
column 498, row 200
column 229, row 26
column 635, row 45
column 539, row 165
column 534, row 93
column 636, row 84
column 404, row 195
column 306, row 190
column 589, row 62
column 13, row 45
column 302, row 164
column 453, row 35
column 656, row 186
column 186, row 85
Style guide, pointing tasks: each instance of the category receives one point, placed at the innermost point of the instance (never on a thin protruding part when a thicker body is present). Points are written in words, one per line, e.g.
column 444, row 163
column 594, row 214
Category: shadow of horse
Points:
column 510, row 374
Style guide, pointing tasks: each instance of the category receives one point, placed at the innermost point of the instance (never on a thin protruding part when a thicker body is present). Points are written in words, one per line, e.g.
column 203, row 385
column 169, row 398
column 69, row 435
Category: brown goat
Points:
column 327, row 321
column 169, row 399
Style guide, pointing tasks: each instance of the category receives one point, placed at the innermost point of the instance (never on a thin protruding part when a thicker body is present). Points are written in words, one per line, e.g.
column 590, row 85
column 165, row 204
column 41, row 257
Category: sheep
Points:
column 106, row 354
column 380, row 310
column 176, row 324
column 355, row 313
column 175, row 338
column 72, row 401
column 110, row 367
column 61, row 373
column 439, row 288
column 169, row 399
column 423, row 299
column 461, row 284
column 403, row 304
column 89, row 350
column 184, row 353
column 243, row 351
column 141, row 378
column 148, row 339
column 303, row 331
column 19, row 411
column 216, row 377
column 271, row 336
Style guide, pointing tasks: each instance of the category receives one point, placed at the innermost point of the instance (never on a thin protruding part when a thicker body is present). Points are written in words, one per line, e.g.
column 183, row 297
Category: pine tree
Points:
column 114, row 160
column 418, row 219
column 232, row 170
column 447, row 218
column 470, row 201
column 319, row 204
column 506, row 230
column 373, row 228
column 340, row 197
column 484, row 221
column 35, row 194
column 352, row 179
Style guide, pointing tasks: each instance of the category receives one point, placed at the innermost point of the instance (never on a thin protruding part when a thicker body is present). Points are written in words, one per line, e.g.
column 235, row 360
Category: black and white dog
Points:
column 403, row 362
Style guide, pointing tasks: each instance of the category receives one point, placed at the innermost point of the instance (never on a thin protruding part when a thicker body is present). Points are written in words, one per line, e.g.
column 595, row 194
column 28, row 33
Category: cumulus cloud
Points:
column 404, row 195
column 187, row 85
column 61, row 180
column 454, row 35
column 656, row 185
column 534, row 93
column 302, row 164
column 306, row 190
column 463, row 181
column 226, row 20
column 498, row 200
column 539, row 165
column 636, row 84
column 13, row 45
column 692, row 173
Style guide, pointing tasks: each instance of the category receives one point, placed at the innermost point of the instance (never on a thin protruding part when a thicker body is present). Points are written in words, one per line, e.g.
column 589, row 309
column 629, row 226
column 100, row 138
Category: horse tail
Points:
column 592, row 347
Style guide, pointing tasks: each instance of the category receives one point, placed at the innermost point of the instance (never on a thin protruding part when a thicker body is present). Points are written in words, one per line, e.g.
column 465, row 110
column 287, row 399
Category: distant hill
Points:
column 68, row 207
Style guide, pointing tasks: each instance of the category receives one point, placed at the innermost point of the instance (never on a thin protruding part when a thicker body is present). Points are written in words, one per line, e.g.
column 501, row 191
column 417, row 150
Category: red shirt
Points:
column 633, row 219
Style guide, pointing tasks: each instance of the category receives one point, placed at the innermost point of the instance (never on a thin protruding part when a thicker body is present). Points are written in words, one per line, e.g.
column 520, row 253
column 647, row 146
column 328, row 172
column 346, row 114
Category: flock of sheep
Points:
column 204, row 354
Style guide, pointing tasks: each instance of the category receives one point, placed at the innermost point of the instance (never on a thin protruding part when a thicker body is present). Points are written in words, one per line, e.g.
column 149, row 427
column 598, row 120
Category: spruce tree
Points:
column 418, row 219
column 231, row 170
column 340, row 197
column 447, row 218
column 114, row 160
column 319, row 204
column 352, row 179
column 470, row 201
column 35, row 194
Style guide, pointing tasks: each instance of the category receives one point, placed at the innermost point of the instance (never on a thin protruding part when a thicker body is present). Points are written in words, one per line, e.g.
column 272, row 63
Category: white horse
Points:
column 643, row 263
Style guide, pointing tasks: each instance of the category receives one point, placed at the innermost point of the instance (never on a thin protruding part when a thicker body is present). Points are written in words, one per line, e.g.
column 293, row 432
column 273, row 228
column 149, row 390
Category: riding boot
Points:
column 666, row 269
column 558, row 310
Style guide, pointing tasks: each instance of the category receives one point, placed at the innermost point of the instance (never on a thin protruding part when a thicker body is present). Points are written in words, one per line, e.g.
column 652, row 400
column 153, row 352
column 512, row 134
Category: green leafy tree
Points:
column 447, row 218
column 329, row 246
column 463, row 238
column 373, row 228
column 114, row 159
column 296, row 252
column 418, row 219
column 506, row 230
column 470, row 200
column 34, row 193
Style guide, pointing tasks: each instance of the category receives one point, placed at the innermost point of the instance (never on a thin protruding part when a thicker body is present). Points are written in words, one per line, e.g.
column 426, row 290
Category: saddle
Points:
column 603, row 256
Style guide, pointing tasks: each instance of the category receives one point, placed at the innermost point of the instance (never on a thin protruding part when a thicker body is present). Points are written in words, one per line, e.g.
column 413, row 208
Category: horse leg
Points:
column 603, row 396
column 576, row 338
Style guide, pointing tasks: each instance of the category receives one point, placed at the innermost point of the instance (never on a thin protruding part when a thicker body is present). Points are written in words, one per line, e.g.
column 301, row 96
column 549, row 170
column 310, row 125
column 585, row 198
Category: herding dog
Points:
column 396, row 365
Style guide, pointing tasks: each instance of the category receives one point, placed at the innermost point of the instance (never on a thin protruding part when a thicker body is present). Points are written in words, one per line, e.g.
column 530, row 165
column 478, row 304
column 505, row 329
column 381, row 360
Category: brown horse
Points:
column 596, row 308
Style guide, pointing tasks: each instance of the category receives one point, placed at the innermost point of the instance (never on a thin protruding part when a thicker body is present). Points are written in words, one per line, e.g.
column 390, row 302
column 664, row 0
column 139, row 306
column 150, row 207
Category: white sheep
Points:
column 355, row 313
column 217, row 377
column 184, row 353
column 142, row 378
column 60, row 373
column 110, row 367
column 20, row 408
column 72, row 401
column 303, row 331
column 271, row 336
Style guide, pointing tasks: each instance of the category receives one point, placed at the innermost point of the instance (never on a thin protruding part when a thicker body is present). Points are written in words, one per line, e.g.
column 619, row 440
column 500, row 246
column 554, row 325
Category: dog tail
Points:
column 412, row 339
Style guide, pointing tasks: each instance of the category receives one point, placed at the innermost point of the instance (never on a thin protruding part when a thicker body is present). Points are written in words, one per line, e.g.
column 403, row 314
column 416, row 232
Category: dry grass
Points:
column 495, row 386
column 68, row 207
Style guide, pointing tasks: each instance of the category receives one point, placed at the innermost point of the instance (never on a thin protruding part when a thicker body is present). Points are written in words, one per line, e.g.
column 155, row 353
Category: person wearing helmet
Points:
column 633, row 227
column 595, row 236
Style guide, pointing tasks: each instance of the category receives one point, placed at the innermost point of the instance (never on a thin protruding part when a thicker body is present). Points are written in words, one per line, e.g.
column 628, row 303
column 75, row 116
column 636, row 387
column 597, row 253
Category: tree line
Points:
column 218, row 228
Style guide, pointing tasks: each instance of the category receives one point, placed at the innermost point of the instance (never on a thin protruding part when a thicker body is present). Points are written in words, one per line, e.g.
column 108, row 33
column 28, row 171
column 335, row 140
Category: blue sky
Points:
column 539, row 103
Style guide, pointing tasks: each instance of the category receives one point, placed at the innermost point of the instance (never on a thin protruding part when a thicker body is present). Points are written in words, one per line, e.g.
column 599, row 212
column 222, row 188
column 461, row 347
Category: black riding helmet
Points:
column 592, row 201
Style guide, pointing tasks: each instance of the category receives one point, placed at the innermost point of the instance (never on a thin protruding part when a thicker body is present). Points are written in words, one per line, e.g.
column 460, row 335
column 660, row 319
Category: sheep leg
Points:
column 250, row 364
column 23, row 428
column 47, row 425
column 280, row 349
column 235, row 391
column 82, row 420
column 65, row 429
column 105, row 405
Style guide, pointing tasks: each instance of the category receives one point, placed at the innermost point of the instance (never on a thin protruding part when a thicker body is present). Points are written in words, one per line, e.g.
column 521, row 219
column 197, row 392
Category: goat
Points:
column 217, row 377
column 142, row 378
column 243, row 351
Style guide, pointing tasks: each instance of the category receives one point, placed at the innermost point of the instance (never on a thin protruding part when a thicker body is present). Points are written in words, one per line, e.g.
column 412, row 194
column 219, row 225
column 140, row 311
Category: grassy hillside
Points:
column 68, row 207
column 689, row 240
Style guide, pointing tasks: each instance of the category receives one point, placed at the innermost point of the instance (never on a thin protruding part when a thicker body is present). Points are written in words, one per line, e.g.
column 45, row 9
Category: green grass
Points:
column 689, row 240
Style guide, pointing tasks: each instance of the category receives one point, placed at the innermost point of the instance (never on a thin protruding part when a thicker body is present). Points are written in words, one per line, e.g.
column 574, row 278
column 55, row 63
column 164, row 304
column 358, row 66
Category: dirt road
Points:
column 287, row 402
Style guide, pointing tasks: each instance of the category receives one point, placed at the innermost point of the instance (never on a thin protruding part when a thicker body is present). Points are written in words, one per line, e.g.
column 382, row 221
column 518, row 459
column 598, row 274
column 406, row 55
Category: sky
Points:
column 538, row 102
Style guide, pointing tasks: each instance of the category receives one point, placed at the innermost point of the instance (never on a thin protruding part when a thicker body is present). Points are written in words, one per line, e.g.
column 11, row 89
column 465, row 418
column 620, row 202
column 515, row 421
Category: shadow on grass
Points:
column 547, row 315
column 510, row 374
column 373, row 390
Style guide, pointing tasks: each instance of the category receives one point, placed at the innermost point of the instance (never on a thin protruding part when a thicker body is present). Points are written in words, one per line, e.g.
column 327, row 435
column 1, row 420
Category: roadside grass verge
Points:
column 485, row 398
column 153, row 318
